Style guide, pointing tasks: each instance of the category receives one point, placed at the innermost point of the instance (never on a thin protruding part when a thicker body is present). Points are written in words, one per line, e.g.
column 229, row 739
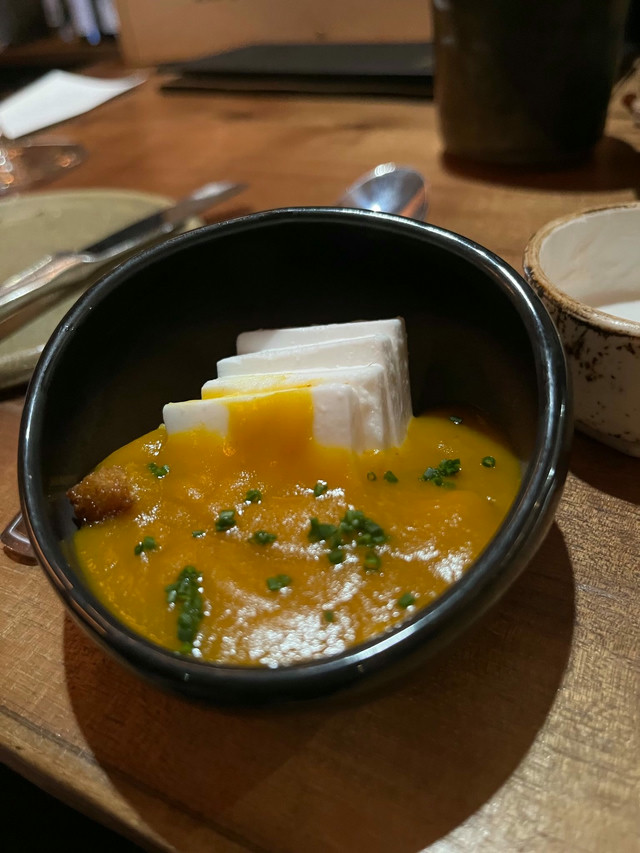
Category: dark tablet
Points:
column 394, row 69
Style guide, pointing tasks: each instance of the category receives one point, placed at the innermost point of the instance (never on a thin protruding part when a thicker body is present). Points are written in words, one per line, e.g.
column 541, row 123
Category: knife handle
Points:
column 16, row 539
column 36, row 281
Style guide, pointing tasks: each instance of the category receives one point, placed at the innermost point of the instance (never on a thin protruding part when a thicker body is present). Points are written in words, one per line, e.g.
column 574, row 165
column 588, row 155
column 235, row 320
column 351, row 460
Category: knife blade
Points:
column 53, row 271
column 164, row 221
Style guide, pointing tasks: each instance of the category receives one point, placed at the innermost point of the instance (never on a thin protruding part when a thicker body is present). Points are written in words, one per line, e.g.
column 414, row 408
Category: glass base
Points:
column 24, row 165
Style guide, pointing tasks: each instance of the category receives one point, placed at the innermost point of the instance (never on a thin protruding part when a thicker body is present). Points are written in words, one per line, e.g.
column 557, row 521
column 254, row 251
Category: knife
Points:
column 53, row 271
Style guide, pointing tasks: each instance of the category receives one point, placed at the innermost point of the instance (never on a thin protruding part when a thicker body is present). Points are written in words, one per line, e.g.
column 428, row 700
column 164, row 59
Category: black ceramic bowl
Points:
column 152, row 331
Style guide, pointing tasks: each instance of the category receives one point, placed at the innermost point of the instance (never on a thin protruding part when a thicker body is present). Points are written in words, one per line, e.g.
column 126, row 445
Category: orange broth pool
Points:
column 287, row 550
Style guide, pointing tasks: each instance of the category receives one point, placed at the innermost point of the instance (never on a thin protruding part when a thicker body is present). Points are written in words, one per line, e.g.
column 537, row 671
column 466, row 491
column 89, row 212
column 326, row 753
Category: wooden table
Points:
column 524, row 735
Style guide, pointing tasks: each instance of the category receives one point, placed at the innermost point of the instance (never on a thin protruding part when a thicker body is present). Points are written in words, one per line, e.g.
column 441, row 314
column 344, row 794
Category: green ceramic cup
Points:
column 525, row 81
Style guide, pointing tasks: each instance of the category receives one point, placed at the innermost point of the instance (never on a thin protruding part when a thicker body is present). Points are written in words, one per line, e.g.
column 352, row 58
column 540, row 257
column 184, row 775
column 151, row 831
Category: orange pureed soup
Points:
column 264, row 548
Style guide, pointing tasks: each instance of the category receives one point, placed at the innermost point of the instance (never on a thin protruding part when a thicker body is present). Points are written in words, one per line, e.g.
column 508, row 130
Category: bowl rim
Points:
column 597, row 320
column 502, row 559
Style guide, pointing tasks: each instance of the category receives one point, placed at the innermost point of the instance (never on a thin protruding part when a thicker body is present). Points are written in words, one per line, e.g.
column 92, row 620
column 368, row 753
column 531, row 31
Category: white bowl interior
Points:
column 595, row 259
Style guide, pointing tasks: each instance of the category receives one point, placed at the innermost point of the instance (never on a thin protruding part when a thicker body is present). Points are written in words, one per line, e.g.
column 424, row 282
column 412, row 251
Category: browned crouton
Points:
column 102, row 494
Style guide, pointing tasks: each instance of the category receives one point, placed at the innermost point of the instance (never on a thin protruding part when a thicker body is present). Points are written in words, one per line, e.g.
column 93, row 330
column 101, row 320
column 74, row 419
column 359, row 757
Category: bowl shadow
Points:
column 613, row 165
column 395, row 771
column 606, row 469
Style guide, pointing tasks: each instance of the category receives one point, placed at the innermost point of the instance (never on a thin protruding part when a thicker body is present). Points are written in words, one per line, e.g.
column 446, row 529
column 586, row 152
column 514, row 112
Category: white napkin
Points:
column 57, row 96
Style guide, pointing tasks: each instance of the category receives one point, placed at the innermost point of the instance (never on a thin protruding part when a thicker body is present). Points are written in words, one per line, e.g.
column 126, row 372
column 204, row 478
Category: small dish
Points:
column 478, row 335
column 39, row 224
column 586, row 268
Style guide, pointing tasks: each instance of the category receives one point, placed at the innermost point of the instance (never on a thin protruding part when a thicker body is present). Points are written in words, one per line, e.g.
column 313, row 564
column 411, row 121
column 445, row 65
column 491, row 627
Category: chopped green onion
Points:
column 329, row 615
column 406, row 600
column 189, row 620
column 371, row 476
column 355, row 527
column 353, row 519
column 446, row 468
column 278, row 582
column 489, row 462
column 226, row 519
column 321, row 532
column 373, row 535
column 449, row 467
column 147, row 544
column 186, row 592
column 261, row 537
column 180, row 589
column 455, row 420
column 336, row 556
column 365, row 531
column 158, row 471
column 198, row 534
column 390, row 477
column 320, row 488
column 372, row 561
column 253, row 496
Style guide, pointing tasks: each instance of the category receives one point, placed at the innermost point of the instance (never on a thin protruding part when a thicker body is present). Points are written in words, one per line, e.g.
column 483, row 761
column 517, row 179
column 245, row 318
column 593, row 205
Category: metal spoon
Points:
column 389, row 189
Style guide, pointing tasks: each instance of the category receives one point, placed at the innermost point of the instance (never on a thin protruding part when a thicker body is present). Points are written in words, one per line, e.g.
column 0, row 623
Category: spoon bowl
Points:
column 389, row 189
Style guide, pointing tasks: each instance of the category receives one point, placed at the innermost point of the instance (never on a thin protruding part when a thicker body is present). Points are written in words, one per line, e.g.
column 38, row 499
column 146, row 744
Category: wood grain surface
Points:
column 522, row 736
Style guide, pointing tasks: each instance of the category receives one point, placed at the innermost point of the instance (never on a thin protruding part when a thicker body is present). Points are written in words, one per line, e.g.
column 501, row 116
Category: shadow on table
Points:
column 395, row 772
column 55, row 821
column 613, row 165
column 605, row 469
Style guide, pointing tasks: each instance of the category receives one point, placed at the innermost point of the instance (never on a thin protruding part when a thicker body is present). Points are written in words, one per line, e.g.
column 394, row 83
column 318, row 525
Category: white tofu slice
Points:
column 336, row 414
column 337, row 421
column 212, row 415
column 369, row 382
column 394, row 328
column 359, row 351
column 262, row 339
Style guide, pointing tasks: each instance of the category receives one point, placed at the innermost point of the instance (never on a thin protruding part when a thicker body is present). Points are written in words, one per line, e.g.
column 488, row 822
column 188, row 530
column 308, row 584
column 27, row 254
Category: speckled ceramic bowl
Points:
column 586, row 268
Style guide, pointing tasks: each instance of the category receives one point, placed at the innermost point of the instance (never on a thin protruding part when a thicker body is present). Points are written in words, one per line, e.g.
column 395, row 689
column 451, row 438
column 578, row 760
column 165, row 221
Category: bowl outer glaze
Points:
column 603, row 351
column 548, row 417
